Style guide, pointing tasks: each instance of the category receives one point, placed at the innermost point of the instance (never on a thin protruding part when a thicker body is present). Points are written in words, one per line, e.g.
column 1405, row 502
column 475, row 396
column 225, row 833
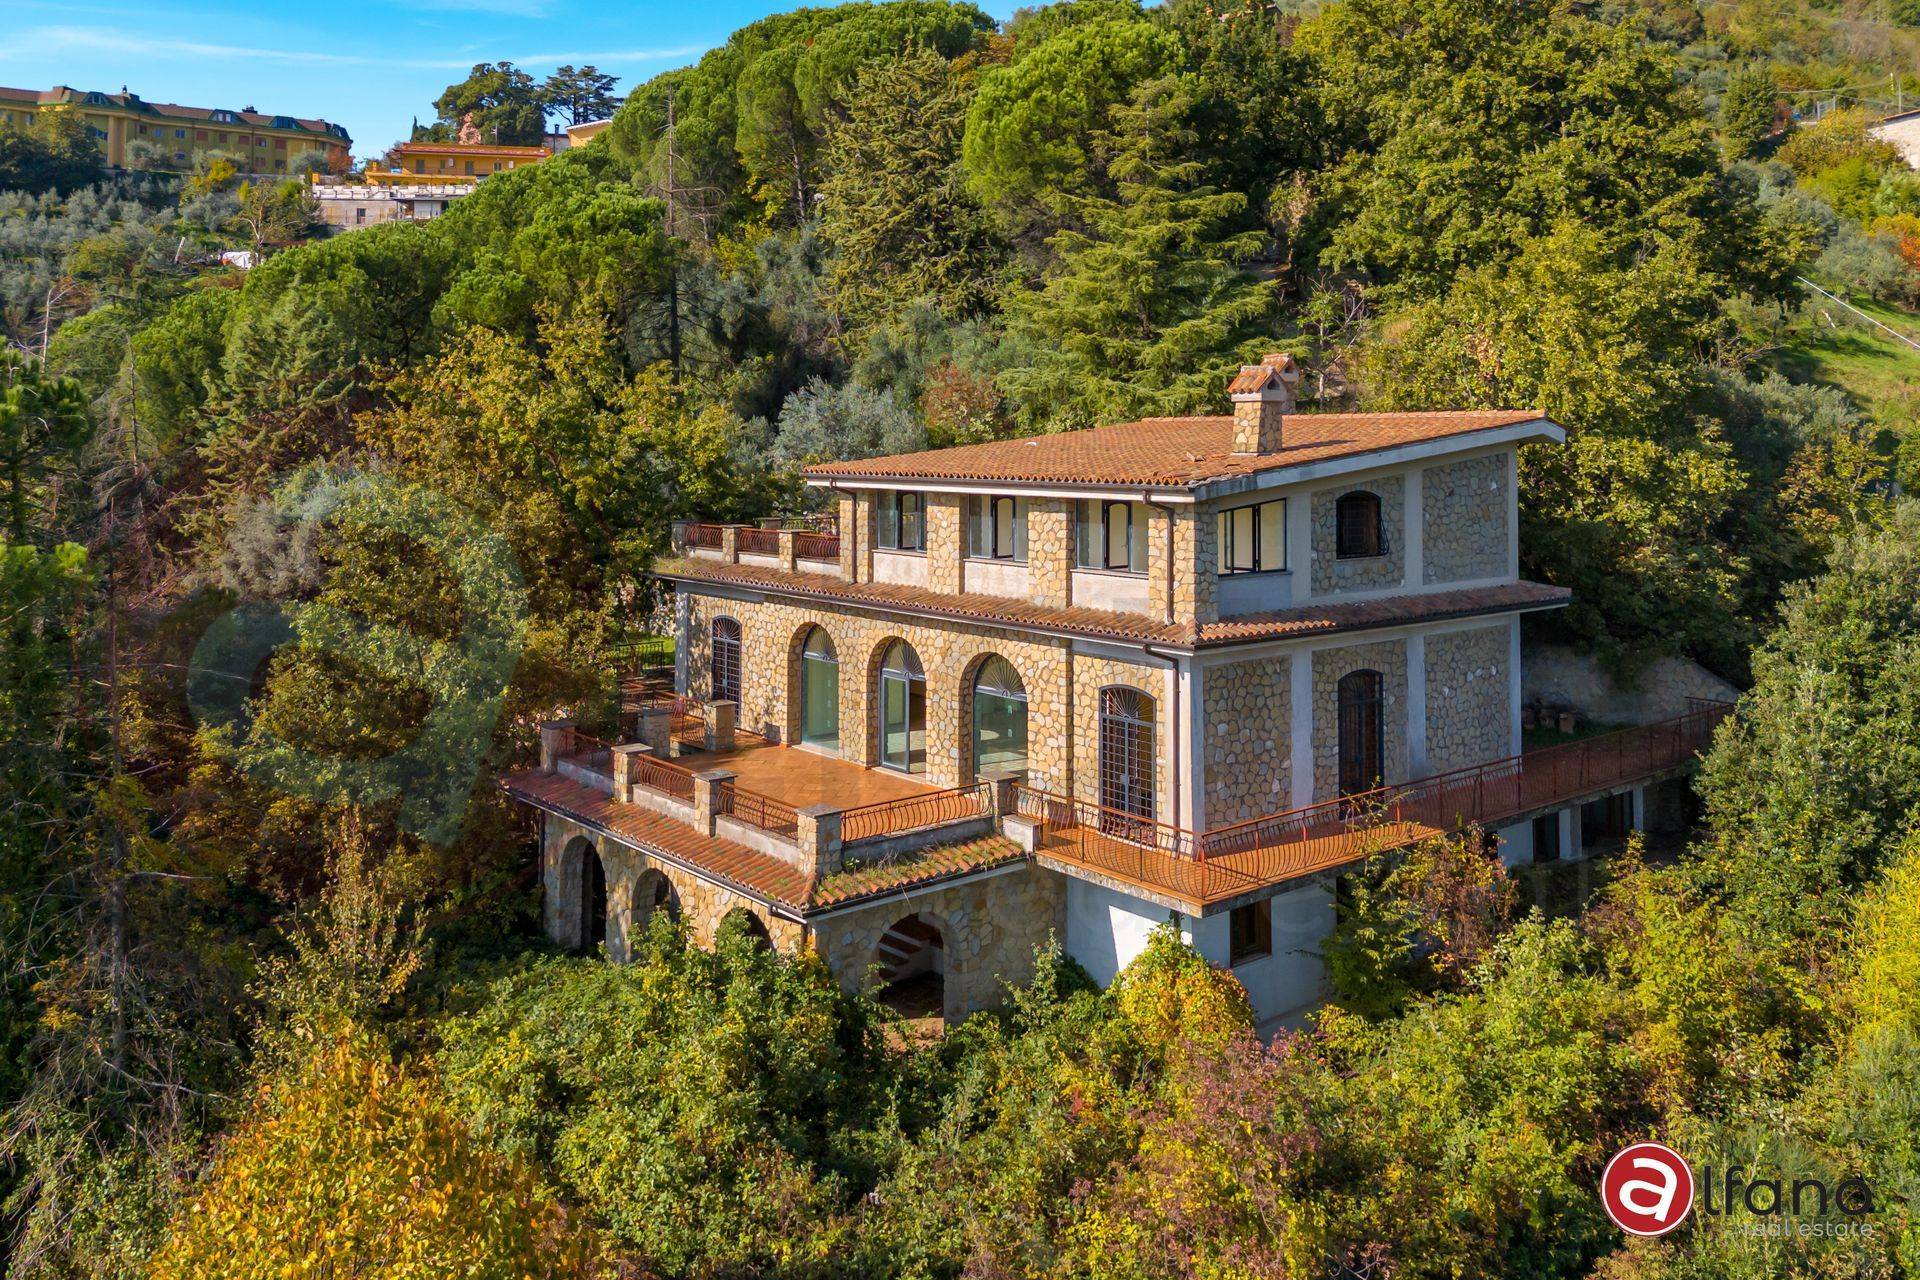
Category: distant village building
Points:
column 416, row 183
column 134, row 133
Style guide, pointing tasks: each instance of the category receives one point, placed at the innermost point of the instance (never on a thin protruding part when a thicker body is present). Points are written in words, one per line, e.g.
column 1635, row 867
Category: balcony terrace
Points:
column 1207, row 872
column 798, row 544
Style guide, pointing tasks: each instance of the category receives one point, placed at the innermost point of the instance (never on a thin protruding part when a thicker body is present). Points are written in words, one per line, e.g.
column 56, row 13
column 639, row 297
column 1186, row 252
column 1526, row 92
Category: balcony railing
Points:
column 814, row 537
column 1334, row 833
column 759, row 542
column 816, row 546
column 704, row 535
column 757, row 810
column 914, row 813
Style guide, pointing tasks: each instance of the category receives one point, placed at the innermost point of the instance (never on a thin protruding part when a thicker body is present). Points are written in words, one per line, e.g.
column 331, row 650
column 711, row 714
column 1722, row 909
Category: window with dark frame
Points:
column 1546, row 838
column 1249, row 932
column 1357, row 532
column 1253, row 539
column 1110, row 536
column 724, row 684
column 997, row 528
column 901, row 521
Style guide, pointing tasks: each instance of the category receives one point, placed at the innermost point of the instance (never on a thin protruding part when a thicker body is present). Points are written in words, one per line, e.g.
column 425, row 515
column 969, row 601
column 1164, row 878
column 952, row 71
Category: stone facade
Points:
column 1194, row 579
column 990, row 928
column 1463, row 520
column 772, row 634
column 1469, row 697
column 946, row 541
column 1050, row 551
column 1248, row 732
column 1389, row 658
column 1331, row 574
column 632, row 878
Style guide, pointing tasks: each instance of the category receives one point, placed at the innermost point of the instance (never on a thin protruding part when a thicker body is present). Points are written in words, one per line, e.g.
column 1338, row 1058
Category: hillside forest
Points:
column 272, row 1004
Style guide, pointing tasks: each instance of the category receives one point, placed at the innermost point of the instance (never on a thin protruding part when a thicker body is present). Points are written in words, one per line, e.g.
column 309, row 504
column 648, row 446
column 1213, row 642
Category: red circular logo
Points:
column 1647, row 1189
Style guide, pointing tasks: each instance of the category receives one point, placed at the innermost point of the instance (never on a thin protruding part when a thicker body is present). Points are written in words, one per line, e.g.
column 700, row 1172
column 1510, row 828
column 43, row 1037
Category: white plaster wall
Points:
column 906, row 567
column 1118, row 592
column 1106, row 928
column 995, row 578
column 1516, row 844
column 1243, row 593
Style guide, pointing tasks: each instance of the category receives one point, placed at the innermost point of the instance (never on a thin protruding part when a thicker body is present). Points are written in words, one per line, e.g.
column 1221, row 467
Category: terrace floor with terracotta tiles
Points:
column 801, row 776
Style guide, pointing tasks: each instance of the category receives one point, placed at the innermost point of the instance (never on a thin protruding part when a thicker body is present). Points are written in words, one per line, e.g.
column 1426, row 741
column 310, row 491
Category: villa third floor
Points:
column 1184, row 521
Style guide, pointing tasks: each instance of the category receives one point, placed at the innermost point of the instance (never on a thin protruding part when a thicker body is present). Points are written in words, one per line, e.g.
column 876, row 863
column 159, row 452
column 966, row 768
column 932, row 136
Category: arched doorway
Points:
column 1361, row 749
column 911, row 966
column 743, row 923
column 653, row 892
column 1126, row 762
column 819, row 691
column 903, row 709
column 999, row 718
column 723, row 683
column 583, row 896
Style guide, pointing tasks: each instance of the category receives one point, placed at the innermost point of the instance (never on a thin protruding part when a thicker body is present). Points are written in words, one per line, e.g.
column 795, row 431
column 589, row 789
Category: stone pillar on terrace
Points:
column 1000, row 785
column 677, row 535
column 707, row 789
column 789, row 559
column 819, row 838
column 556, row 740
column 656, row 730
column 626, row 762
column 722, row 717
column 730, row 543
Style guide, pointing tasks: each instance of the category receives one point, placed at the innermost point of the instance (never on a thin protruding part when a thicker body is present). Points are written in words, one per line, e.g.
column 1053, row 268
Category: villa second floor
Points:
column 1187, row 521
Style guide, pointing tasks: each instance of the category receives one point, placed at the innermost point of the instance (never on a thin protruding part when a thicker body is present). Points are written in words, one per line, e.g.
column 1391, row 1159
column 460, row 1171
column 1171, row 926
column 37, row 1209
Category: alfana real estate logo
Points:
column 1648, row 1189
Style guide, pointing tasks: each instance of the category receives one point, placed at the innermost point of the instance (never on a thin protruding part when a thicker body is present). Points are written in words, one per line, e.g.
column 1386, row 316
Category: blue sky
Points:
column 371, row 65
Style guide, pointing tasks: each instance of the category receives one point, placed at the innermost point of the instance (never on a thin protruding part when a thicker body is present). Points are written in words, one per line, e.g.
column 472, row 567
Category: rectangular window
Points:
column 1249, row 932
column 1110, row 535
column 996, row 528
column 180, row 133
column 199, row 135
column 1546, row 838
column 1253, row 539
column 900, row 521
column 359, row 215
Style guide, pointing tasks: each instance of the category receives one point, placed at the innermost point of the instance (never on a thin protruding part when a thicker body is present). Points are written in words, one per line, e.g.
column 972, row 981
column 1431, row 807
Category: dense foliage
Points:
column 294, row 556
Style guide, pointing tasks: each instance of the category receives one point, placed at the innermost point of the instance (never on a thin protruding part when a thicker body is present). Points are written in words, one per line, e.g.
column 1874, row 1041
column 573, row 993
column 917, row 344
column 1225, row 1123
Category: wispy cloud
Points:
column 42, row 40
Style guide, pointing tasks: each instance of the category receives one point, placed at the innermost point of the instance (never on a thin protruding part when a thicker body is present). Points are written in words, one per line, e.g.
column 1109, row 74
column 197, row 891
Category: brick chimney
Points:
column 1262, row 396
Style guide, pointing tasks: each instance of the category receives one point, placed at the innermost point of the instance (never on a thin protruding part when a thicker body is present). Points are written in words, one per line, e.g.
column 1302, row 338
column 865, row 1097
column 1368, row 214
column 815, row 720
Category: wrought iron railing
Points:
column 1333, row 833
column 757, row 810
column 912, row 813
column 763, row 542
column 664, row 777
column 816, row 546
column 704, row 535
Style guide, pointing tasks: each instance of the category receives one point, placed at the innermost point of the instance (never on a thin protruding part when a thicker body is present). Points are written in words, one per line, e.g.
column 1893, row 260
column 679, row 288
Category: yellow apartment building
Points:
column 174, row 135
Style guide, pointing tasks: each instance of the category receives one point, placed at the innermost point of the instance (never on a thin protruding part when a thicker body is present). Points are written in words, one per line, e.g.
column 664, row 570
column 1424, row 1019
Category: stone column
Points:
column 946, row 541
column 730, row 543
column 656, row 730
column 849, row 550
column 707, row 787
column 721, row 719
column 677, row 536
column 819, row 832
column 1000, row 785
column 626, row 760
column 556, row 740
column 789, row 559
column 1050, row 551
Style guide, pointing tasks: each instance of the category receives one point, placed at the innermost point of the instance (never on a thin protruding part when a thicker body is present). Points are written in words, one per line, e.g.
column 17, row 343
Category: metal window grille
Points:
column 1357, row 526
column 1362, row 760
column 725, row 684
column 1126, row 756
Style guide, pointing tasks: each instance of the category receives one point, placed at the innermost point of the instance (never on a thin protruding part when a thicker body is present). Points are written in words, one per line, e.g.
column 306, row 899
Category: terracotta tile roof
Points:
column 1272, row 369
column 1306, row 620
column 759, row 874
column 1172, row 452
column 61, row 94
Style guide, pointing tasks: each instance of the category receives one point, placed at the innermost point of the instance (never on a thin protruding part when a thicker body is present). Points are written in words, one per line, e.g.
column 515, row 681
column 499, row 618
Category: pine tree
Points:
column 896, row 208
column 1747, row 110
column 1152, row 306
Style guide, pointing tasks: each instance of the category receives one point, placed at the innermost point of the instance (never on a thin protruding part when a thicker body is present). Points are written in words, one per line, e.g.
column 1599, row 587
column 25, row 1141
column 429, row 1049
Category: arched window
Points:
column 999, row 718
column 903, row 709
column 819, row 691
column 1126, row 752
column 1356, row 519
column 725, row 683
column 1362, row 757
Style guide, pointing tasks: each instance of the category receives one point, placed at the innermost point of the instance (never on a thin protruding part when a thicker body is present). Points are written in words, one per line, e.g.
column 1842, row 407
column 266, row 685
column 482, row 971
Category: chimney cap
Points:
column 1275, row 375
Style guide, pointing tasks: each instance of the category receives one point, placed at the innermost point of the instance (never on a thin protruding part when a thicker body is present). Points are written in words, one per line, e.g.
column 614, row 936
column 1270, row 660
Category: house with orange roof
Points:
column 1183, row 670
column 132, row 132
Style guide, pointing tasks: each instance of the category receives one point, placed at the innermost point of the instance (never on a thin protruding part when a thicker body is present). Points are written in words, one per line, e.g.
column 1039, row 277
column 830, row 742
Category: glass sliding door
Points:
column 999, row 719
column 820, row 692
column 903, row 710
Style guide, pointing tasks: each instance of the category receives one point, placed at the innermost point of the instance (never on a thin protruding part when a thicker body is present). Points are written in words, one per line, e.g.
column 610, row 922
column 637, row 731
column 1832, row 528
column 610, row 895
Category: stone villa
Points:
column 1186, row 669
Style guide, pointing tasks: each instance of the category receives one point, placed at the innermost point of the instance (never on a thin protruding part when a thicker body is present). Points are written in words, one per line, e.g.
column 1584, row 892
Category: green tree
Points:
column 897, row 212
column 579, row 96
column 1747, row 110
column 43, row 423
column 55, row 153
column 499, row 102
column 1152, row 306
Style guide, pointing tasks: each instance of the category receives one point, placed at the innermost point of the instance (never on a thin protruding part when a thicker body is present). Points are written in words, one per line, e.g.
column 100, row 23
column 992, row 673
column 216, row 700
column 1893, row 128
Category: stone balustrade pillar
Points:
column 556, row 740
column 789, row 558
column 730, row 543
column 819, row 837
column 1000, row 785
column 1027, row 833
column 677, row 535
column 722, row 718
column 707, row 788
column 626, row 761
column 656, row 730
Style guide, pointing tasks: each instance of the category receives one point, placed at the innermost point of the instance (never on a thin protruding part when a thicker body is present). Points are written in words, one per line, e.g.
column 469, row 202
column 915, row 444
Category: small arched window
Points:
column 1357, row 532
column 725, row 670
